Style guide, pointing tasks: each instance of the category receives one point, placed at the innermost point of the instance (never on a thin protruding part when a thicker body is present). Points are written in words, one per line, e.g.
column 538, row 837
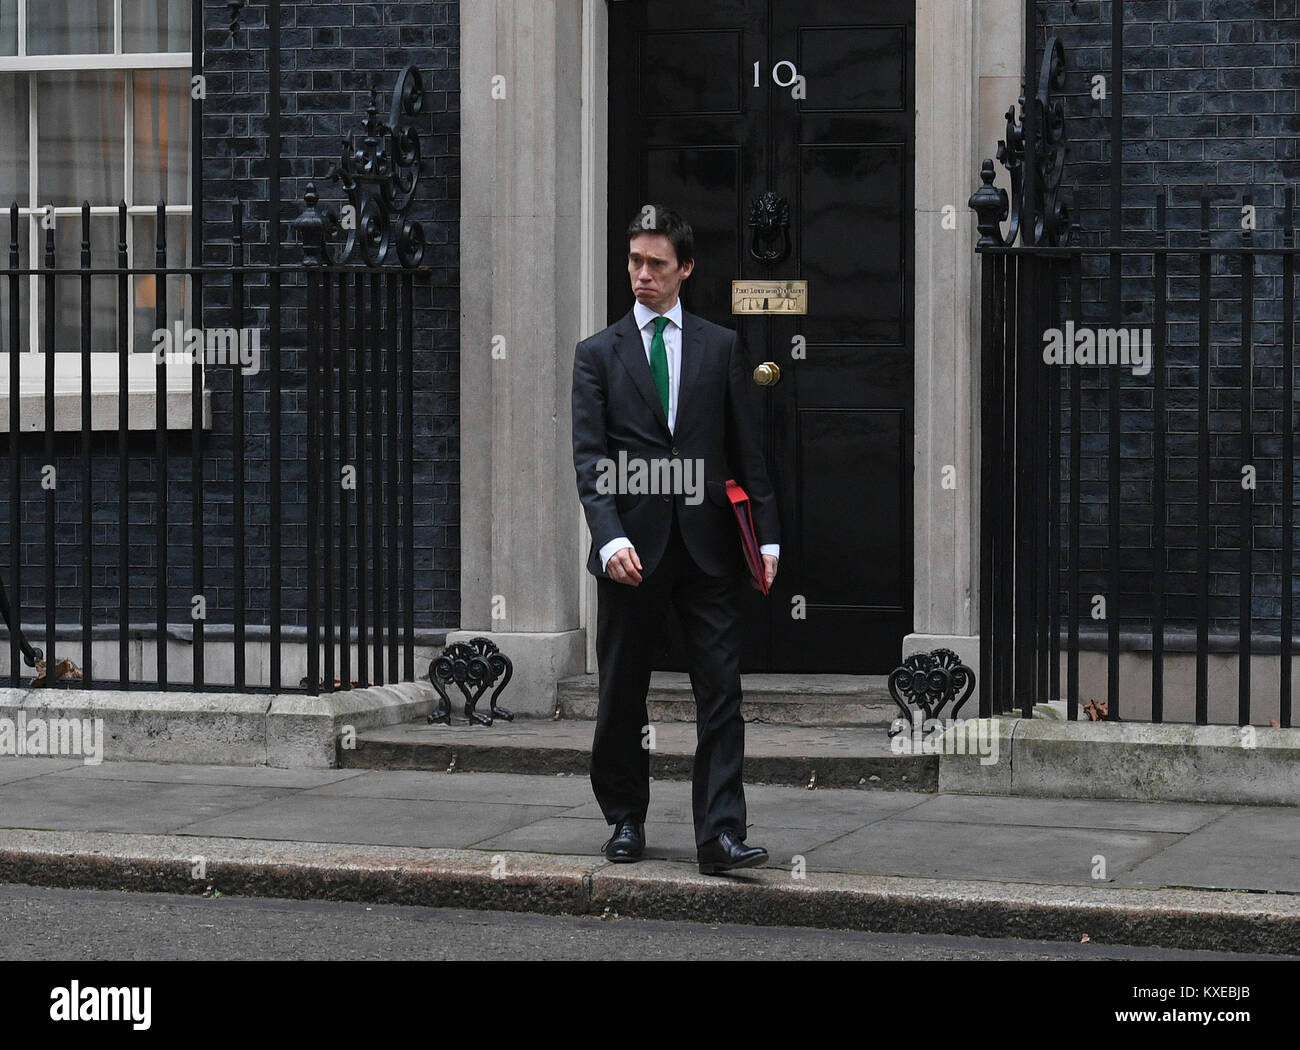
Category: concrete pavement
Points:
column 1175, row 874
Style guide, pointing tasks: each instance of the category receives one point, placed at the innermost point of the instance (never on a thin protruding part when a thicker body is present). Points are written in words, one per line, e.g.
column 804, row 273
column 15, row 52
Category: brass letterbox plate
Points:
column 769, row 297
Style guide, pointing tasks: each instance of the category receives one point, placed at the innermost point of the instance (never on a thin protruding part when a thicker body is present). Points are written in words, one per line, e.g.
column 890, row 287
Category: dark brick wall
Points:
column 333, row 51
column 1209, row 108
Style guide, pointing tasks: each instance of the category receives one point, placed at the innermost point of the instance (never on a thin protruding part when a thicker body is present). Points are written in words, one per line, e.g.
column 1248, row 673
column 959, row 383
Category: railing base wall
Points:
column 284, row 730
column 1047, row 758
column 218, row 661
column 1180, row 686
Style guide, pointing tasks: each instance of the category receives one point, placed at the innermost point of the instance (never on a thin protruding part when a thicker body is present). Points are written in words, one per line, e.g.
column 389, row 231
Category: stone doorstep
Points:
column 824, row 756
column 778, row 699
column 284, row 730
column 652, row 889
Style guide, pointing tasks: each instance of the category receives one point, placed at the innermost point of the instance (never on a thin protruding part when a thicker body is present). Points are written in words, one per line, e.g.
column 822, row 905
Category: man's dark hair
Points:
column 655, row 218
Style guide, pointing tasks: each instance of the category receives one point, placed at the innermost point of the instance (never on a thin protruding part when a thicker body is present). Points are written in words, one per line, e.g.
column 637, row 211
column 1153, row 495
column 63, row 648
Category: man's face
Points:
column 656, row 275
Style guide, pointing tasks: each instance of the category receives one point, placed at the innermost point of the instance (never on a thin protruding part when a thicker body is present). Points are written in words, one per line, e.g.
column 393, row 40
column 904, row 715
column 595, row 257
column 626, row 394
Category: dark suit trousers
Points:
column 629, row 629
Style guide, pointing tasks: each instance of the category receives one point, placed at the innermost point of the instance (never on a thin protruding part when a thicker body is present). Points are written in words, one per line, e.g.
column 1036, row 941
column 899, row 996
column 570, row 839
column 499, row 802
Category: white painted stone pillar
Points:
column 967, row 73
column 521, row 268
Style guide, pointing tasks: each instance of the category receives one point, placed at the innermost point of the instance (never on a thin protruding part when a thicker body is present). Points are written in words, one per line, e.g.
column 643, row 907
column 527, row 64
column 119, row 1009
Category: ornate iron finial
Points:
column 473, row 666
column 927, row 681
column 311, row 228
column 990, row 205
column 1039, row 213
column 379, row 177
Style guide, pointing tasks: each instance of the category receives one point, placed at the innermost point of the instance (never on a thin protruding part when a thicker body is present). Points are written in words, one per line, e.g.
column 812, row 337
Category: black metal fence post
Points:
column 311, row 225
column 1288, row 457
column 14, row 601
column 87, row 540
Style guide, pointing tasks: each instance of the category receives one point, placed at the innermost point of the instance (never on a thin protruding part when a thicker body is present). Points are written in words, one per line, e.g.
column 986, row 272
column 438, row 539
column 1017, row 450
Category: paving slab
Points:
column 186, row 773
column 664, row 840
column 1062, row 856
column 1247, row 848
column 1066, row 813
column 831, row 808
column 13, row 767
column 373, row 821
column 469, row 788
column 779, row 806
column 580, row 836
column 64, row 802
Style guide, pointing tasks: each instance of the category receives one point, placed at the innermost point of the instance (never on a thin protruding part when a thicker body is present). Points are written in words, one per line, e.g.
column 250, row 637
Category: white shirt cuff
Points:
column 773, row 549
column 611, row 548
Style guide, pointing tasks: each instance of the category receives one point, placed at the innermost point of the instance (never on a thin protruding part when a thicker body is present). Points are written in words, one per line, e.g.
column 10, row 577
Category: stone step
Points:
column 817, row 756
column 776, row 699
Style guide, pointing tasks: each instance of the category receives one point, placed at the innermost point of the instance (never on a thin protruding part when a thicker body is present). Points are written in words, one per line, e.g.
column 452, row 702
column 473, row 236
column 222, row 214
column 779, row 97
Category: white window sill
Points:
column 104, row 388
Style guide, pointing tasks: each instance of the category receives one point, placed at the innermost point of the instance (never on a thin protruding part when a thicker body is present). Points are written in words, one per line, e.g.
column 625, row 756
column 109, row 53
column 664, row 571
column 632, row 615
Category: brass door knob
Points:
column 767, row 374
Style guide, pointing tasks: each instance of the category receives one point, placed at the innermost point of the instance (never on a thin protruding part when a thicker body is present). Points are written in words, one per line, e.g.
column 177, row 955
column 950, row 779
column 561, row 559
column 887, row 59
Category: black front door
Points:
column 713, row 106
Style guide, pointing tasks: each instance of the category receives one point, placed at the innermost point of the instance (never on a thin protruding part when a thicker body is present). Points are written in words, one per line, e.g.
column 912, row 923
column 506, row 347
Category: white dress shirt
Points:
column 673, row 346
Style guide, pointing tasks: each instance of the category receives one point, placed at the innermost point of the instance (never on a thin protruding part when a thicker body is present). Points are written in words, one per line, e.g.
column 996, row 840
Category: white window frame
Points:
column 141, row 384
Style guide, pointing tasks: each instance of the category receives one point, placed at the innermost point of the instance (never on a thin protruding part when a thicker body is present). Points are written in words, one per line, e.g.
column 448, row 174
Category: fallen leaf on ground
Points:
column 1095, row 710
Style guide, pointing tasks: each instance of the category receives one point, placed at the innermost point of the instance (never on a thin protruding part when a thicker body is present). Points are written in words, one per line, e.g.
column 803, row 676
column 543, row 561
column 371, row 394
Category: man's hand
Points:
column 769, row 566
column 625, row 567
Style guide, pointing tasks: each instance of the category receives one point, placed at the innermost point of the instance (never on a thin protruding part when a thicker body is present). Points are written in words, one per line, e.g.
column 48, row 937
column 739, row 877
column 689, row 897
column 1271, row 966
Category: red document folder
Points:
column 748, row 537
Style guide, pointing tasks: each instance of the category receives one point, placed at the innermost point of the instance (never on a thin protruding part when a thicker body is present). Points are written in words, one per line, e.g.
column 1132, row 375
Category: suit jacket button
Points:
column 676, row 453
column 668, row 499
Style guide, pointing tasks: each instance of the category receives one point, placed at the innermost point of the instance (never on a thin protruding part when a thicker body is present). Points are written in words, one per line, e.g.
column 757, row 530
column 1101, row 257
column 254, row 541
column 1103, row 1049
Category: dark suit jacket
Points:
column 616, row 408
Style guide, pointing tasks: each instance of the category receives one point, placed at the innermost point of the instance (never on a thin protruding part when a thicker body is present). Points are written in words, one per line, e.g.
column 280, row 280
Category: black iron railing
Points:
column 1137, row 533
column 306, row 469
column 1138, row 453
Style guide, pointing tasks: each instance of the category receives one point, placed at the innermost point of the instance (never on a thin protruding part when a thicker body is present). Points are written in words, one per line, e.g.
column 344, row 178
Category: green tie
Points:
column 659, row 362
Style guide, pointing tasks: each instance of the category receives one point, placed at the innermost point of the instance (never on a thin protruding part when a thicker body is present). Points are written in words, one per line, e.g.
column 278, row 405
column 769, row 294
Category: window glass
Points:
column 162, row 136
column 155, row 25
column 8, row 27
column 69, row 27
column 13, row 136
column 23, row 290
column 103, row 288
column 81, row 139
column 144, row 297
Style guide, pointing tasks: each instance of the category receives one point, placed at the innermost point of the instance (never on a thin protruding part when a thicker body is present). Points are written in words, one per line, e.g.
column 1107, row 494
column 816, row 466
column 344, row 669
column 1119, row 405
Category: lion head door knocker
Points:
column 769, row 218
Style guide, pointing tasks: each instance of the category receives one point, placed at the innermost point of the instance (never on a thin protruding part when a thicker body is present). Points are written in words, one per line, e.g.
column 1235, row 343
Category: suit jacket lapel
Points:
column 630, row 349
column 692, row 355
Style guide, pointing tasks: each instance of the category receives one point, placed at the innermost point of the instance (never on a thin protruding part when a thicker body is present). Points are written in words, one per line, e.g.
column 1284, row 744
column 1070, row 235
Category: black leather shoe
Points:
column 727, row 852
column 627, row 843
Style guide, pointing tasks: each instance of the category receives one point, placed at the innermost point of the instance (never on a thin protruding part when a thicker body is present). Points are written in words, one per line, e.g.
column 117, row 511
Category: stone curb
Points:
column 572, row 885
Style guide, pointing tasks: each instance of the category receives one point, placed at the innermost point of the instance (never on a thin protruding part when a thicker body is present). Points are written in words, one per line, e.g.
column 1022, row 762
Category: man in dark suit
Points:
column 661, row 396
